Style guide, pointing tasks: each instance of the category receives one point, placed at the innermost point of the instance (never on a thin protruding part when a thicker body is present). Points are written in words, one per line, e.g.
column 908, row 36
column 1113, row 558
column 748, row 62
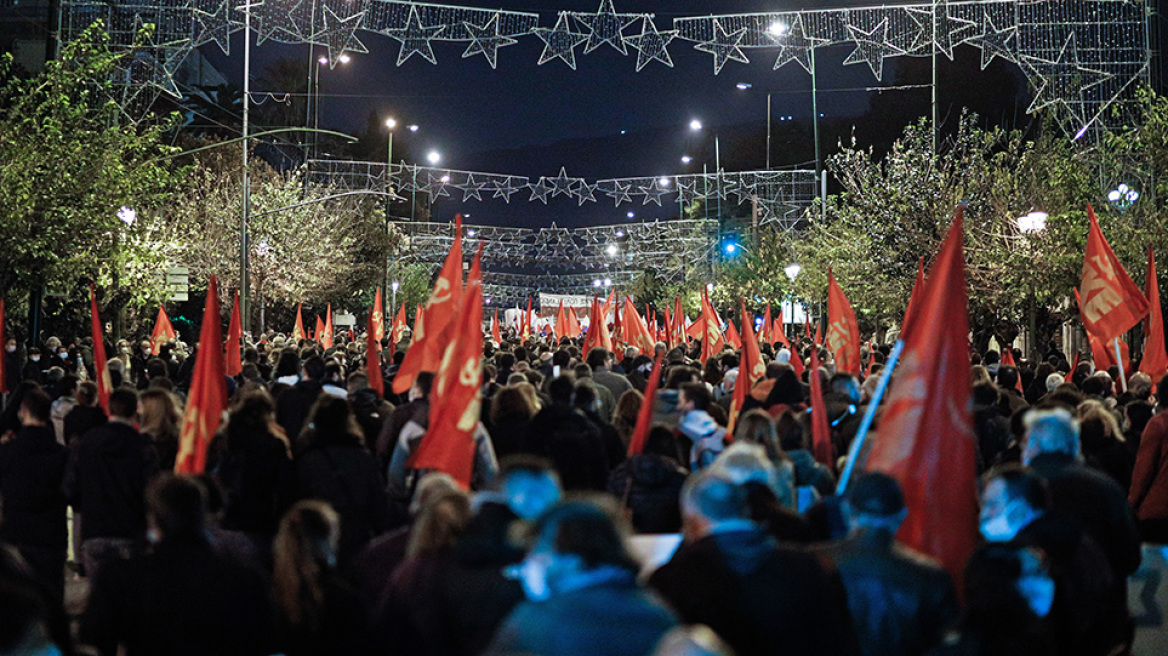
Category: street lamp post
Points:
column 1032, row 224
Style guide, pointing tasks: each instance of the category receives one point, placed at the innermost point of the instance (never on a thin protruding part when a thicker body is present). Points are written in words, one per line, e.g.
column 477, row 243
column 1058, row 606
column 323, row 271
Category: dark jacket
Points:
column 181, row 599
column 901, row 602
column 391, row 429
column 32, row 467
column 346, row 477
column 613, row 618
column 341, row 624
column 564, row 435
column 1149, row 489
column 109, row 468
column 760, row 597
column 649, row 485
column 812, row 473
column 80, row 420
column 507, row 435
column 258, row 484
column 293, row 406
column 1098, row 504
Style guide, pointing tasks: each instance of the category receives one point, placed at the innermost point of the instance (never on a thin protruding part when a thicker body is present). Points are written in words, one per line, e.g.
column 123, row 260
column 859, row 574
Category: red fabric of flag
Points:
column 917, row 290
column 645, row 414
column 820, row 429
column 926, row 438
column 100, row 368
column 843, row 333
column 637, row 333
column 378, row 317
column 1111, row 303
column 397, row 330
column 751, row 368
column 768, row 331
column 208, row 393
column 496, row 336
column 232, row 362
column 373, row 356
column 732, row 336
column 298, row 329
column 449, row 442
column 1155, row 360
column 163, row 331
column 425, row 352
column 327, row 339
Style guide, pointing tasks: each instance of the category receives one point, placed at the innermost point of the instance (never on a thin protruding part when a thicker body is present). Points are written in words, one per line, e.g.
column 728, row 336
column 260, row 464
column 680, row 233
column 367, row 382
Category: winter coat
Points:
column 109, row 468
column 1149, row 489
column 650, row 485
column 32, row 467
column 707, row 437
column 345, row 476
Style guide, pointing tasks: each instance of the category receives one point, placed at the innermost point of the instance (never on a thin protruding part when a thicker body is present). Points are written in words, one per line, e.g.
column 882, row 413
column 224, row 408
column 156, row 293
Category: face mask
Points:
column 153, row 536
column 64, row 356
column 10, row 348
column 1038, row 591
column 35, row 358
column 532, row 574
column 998, row 528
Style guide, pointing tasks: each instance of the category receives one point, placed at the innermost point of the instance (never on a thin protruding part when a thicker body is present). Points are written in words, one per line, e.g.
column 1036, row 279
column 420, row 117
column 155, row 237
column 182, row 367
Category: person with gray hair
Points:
column 770, row 489
column 1051, row 449
column 730, row 575
column 900, row 601
column 1053, row 382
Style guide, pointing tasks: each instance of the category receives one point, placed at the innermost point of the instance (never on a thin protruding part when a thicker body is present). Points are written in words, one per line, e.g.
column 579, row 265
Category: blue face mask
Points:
column 533, row 576
column 999, row 528
column 1038, row 591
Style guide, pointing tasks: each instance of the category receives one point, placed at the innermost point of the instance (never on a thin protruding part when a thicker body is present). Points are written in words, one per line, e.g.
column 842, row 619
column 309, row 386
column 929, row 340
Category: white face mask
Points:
column 998, row 528
column 64, row 356
column 10, row 348
column 1038, row 591
column 35, row 358
column 532, row 574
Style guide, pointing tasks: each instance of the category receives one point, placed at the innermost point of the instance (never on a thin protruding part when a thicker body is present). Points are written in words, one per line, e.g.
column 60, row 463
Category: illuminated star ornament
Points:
column 619, row 192
column 504, row 189
column 471, row 188
column 995, row 42
column 653, row 192
column 485, row 40
column 651, row 44
column 584, row 192
column 559, row 42
column 794, row 44
column 340, row 35
column 540, row 190
column 724, row 46
column 215, row 26
column 605, row 26
column 872, row 47
column 942, row 30
column 562, row 184
column 415, row 38
column 1064, row 80
column 269, row 17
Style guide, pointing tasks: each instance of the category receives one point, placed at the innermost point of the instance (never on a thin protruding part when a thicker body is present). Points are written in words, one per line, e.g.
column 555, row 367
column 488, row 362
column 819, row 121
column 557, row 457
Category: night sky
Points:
column 526, row 119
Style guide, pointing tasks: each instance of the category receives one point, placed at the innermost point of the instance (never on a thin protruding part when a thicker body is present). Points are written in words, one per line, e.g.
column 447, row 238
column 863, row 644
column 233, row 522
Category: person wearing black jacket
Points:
column 32, row 467
column 564, row 435
column 293, row 405
column 333, row 465
column 109, row 468
column 649, row 484
column 182, row 598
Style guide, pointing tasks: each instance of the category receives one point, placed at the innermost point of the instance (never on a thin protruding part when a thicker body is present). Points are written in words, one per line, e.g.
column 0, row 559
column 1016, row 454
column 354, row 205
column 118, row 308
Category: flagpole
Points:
column 869, row 415
column 1119, row 362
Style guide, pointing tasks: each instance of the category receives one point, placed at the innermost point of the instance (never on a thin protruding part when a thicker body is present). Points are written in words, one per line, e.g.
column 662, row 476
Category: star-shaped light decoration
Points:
column 471, row 188
column 652, row 44
column 215, row 26
column 940, row 27
column 503, row 189
column 584, row 192
column 540, row 190
column 559, row 42
column 687, row 189
column 437, row 181
column 995, row 42
column 653, row 192
column 794, row 44
column 269, row 17
column 872, row 47
column 724, row 46
column 562, row 184
column 414, row 38
column 1064, row 80
column 485, row 40
column 340, row 35
column 605, row 26
column 619, row 192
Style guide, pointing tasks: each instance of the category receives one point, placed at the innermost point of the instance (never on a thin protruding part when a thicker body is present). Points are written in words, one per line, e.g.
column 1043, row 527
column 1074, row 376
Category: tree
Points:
column 69, row 160
column 302, row 251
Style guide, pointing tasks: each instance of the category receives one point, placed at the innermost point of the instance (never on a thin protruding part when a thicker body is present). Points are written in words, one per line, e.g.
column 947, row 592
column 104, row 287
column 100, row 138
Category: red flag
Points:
column 637, row 334
column 597, row 335
column 1008, row 360
column 208, row 393
column 797, row 363
column 818, row 334
column 163, row 331
column 751, row 368
column 712, row 340
column 397, row 330
column 373, row 356
column 1074, row 365
column 561, row 321
column 843, row 333
column 645, row 414
column 678, row 326
column 101, row 370
column 668, row 328
column 496, row 336
column 1155, row 360
column 298, row 329
column 917, row 291
column 574, row 328
column 232, row 363
column 449, row 442
column 318, row 332
column 732, row 336
column 326, row 340
column 3, row 357
column 777, row 332
column 926, row 436
column 807, row 327
column 378, row 317
column 525, row 325
column 1103, row 353
column 618, row 333
column 1112, row 303
column 426, row 348
column 820, row 428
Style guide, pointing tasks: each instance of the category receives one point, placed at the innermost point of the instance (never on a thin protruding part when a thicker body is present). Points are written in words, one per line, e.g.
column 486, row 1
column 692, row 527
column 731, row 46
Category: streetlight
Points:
column 608, row 282
column 1032, row 224
column 390, row 124
column 777, row 28
column 630, row 214
column 412, row 128
column 686, row 159
column 313, row 106
column 611, row 250
column 792, row 270
column 596, row 282
column 433, row 157
column 127, row 215
column 695, row 125
column 393, row 303
column 1122, row 196
column 663, row 181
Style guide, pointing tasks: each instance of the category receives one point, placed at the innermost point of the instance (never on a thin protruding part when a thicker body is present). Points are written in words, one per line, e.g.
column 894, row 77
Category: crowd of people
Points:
column 310, row 532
